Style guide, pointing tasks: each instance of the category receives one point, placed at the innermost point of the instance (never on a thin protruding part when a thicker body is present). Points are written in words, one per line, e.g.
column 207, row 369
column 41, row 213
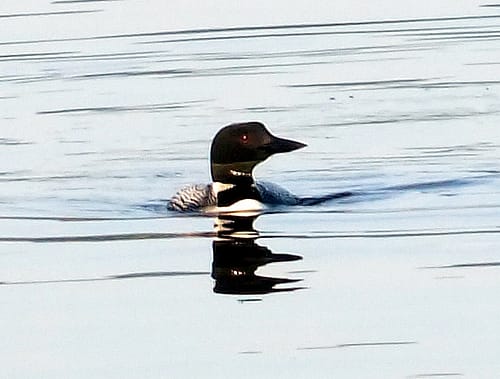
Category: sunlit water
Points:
column 108, row 107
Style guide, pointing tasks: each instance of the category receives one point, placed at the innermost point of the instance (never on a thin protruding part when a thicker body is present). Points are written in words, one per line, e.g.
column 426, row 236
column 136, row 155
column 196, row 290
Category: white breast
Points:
column 245, row 207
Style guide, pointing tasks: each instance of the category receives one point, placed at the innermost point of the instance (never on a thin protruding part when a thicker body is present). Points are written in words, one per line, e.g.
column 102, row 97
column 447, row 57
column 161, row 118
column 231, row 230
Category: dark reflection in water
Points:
column 236, row 258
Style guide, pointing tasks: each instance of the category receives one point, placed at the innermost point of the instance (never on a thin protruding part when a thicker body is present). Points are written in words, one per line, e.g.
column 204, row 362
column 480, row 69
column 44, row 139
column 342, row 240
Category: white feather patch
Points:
column 245, row 207
column 219, row 186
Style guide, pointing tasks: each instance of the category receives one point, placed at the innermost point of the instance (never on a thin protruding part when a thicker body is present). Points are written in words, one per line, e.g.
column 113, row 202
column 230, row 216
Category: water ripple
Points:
column 133, row 275
column 359, row 344
column 122, row 108
column 267, row 234
column 13, row 142
column 466, row 265
column 252, row 28
column 55, row 13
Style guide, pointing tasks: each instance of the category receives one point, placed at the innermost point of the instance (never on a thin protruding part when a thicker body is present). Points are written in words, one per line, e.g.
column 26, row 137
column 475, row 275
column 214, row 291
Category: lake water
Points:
column 108, row 107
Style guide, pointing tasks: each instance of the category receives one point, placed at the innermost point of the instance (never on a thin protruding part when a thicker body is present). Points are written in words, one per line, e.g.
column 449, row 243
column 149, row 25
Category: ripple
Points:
column 133, row 275
column 55, row 13
column 36, row 56
column 109, row 237
column 40, row 179
column 479, row 146
column 267, row 234
column 466, row 265
column 384, row 83
column 122, row 108
column 13, row 142
column 82, row 1
column 437, row 375
column 248, row 28
column 418, row 83
column 359, row 344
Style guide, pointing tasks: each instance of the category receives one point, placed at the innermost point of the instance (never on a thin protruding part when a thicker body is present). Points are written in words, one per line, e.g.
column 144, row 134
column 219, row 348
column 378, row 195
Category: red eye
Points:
column 244, row 138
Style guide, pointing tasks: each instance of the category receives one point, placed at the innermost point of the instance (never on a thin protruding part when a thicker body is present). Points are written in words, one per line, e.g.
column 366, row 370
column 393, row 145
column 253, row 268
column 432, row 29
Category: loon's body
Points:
column 196, row 197
column 236, row 149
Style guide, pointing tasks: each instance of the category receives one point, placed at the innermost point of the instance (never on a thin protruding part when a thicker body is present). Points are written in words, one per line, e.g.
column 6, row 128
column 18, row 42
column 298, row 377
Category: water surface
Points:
column 108, row 107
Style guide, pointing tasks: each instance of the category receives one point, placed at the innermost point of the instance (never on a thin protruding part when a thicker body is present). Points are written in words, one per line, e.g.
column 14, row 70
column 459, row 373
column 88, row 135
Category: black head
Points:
column 238, row 148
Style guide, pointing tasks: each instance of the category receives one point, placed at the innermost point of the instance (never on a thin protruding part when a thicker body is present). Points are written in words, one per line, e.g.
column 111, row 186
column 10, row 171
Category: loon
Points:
column 236, row 150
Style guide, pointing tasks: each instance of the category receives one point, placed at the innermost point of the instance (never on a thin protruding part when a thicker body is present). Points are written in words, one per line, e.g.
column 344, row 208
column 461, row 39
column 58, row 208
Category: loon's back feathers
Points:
column 276, row 195
column 195, row 197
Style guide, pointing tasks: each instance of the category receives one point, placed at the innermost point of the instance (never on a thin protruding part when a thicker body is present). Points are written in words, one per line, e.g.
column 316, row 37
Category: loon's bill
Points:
column 236, row 150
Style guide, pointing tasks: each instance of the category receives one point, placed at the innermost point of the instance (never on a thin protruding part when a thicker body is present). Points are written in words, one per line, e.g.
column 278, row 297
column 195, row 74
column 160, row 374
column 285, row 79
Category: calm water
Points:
column 108, row 107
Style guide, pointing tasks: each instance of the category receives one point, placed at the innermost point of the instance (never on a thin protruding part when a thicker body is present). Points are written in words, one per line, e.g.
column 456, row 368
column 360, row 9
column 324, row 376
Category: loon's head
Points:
column 238, row 148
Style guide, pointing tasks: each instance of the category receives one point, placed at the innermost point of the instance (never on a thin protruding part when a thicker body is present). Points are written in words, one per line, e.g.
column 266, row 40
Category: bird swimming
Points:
column 235, row 151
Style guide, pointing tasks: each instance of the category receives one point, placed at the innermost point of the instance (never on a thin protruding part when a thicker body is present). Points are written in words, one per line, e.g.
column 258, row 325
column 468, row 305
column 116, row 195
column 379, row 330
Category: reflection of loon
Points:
column 237, row 256
column 236, row 150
